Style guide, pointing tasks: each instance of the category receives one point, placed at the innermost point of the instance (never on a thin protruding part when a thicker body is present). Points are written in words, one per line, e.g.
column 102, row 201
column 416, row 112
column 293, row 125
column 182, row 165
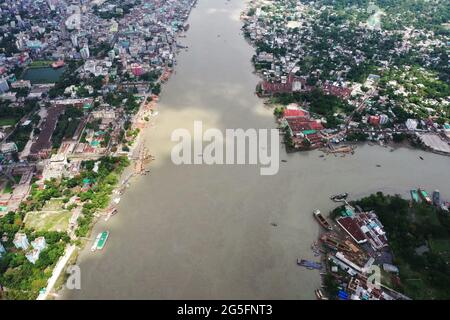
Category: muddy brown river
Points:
column 207, row 232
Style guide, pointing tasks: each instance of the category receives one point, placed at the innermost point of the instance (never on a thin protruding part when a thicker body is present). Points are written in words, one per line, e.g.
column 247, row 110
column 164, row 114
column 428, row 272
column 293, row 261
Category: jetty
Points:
column 311, row 265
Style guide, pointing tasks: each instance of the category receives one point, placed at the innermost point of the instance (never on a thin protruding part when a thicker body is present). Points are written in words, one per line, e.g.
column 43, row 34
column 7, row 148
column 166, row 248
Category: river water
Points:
column 204, row 232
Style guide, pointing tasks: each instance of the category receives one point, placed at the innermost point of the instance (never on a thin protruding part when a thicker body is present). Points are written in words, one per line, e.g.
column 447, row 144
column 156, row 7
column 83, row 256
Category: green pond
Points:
column 43, row 75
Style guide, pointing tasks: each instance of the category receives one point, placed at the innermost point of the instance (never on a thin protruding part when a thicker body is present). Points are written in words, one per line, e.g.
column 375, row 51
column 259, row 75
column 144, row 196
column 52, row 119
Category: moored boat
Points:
column 319, row 295
column 100, row 241
column 436, row 198
column 322, row 221
column 425, row 196
column 339, row 197
column 110, row 212
column 414, row 195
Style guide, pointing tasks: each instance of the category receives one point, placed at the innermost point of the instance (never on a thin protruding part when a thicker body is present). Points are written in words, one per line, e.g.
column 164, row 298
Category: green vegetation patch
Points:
column 20, row 278
column 48, row 220
column 8, row 188
column 8, row 121
column 318, row 103
column 40, row 63
column 53, row 205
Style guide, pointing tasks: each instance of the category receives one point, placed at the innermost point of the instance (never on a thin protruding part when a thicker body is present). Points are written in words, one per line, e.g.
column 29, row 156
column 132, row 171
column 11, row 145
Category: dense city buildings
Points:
column 78, row 81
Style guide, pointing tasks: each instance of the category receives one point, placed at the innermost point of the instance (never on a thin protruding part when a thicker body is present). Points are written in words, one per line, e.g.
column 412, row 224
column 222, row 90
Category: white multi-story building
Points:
column 39, row 243
column 4, row 87
column 21, row 241
column 112, row 54
column 2, row 250
column 74, row 39
column 384, row 119
column 33, row 255
column 8, row 148
column 21, row 84
column 85, row 52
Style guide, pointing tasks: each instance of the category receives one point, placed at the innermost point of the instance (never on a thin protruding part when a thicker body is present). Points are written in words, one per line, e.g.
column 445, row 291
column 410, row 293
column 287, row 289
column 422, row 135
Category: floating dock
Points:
column 309, row 264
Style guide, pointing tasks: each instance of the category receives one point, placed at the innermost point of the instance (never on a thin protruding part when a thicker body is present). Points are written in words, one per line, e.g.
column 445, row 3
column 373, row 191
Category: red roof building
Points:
column 293, row 84
column 351, row 227
column 340, row 92
column 41, row 148
column 363, row 227
column 299, row 124
column 374, row 120
column 137, row 69
column 288, row 113
column 316, row 125
column 314, row 138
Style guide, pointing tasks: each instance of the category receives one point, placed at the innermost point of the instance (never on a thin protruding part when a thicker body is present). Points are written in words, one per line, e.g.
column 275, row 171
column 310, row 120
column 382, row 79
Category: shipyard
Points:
column 354, row 245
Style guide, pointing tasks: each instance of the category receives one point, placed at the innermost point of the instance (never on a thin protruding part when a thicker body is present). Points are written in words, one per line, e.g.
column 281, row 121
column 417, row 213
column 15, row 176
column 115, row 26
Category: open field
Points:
column 7, row 121
column 48, row 221
column 40, row 63
column 53, row 205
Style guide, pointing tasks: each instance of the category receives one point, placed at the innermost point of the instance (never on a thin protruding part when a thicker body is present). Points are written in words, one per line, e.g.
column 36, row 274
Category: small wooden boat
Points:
column 110, row 212
column 339, row 197
column 319, row 295
column 322, row 221
column 425, row 196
